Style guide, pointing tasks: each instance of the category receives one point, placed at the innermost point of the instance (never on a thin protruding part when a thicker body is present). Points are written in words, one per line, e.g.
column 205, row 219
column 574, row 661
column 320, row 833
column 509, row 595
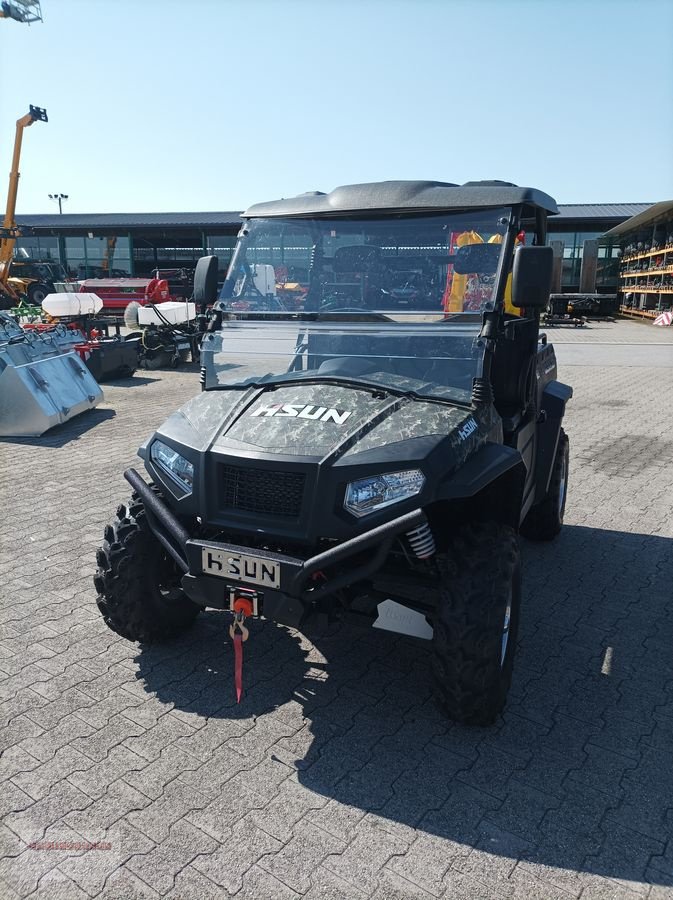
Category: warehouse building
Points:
column 120, row 244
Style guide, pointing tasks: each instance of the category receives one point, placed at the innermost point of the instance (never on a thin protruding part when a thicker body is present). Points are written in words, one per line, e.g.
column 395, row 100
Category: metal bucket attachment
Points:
column 41, row 384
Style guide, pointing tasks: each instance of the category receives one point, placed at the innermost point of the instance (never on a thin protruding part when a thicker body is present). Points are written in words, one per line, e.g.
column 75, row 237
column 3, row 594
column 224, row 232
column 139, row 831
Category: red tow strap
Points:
column 238, row 666
column 242, row 607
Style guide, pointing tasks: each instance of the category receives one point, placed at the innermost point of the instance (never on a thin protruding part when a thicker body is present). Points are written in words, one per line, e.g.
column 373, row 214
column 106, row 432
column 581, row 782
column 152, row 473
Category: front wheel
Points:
column 138, row 583
column 477, row 622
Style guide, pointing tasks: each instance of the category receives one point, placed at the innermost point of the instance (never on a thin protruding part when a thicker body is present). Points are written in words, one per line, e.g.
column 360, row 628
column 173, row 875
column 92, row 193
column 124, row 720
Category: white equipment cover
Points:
column 71, row 304
column 173, row 312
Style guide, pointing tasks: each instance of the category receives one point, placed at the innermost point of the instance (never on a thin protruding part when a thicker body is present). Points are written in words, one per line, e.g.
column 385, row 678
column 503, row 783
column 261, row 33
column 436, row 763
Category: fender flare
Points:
column 553, row 405
column 483, row 468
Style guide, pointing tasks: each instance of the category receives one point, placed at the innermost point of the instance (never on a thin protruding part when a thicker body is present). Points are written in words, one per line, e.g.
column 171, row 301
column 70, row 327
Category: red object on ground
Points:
column 242, row 608
column 238, row 666
column 117, row 293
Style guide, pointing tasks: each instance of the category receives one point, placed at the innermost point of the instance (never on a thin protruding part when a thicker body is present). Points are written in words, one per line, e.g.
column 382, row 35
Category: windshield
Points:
column 373, row 300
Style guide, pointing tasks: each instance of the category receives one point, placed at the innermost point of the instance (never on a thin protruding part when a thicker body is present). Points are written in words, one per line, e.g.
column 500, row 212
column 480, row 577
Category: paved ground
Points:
column 337, row 777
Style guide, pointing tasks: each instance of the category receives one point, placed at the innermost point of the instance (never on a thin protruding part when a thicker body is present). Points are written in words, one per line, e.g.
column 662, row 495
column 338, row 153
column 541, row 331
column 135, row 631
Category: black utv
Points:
column 379, row 420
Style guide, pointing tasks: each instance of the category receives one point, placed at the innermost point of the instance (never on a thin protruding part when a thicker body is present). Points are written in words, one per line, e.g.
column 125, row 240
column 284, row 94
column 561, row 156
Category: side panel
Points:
column 524, row 439
column 553, row 404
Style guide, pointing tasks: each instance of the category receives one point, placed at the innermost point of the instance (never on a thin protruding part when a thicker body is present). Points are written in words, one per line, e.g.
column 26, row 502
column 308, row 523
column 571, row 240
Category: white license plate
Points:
column 240, row 567
column 183, row 346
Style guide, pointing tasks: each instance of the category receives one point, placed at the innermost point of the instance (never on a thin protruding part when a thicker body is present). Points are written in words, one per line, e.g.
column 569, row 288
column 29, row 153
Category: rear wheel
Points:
column 477, row 622
column 544, row 520
column 138, row 583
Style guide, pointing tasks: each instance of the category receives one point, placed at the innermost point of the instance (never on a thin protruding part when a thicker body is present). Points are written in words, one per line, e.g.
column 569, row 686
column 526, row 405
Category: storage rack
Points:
column 646, row 270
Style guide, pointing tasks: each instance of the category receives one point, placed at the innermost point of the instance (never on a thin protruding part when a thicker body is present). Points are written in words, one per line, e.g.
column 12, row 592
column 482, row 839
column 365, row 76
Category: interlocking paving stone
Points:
column 66, row 762
column 326, row 885
column 369, row 850
column 337, row 777
column 394, row 887
column 57, row 886
column 116, row 803
column 155, row 819
column 258, row 884
column 122, row 883
column 24, row 870
column 290, row 804
column 92, row 869
column 426, row 862
column 300, row 856
column 227, row 865
column 160, row 866
column 96, row 780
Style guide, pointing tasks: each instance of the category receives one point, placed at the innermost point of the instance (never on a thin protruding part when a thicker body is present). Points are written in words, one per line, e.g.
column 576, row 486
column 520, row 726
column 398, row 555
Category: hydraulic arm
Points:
column 10, row 231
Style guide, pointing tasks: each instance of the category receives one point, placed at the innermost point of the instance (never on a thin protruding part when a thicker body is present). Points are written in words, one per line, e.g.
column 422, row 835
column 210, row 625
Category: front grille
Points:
column 262, row 491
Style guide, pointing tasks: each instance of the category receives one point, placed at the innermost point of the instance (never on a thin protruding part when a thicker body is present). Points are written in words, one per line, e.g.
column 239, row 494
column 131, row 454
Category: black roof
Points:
column 405, row 195
column 131, row 220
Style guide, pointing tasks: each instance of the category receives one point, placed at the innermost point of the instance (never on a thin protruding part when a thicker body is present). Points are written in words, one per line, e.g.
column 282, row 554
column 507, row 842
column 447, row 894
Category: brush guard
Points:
column 299, row 589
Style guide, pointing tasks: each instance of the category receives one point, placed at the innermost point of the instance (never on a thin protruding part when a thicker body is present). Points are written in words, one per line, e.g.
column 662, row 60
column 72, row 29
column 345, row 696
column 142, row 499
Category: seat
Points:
column 357, row 258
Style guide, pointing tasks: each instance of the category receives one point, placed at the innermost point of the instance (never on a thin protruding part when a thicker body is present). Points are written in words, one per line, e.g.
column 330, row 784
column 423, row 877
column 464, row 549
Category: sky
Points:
column 197, row 105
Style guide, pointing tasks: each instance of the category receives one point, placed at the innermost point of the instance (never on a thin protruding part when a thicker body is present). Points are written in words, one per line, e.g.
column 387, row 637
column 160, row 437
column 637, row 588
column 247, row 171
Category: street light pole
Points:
column 59, row 199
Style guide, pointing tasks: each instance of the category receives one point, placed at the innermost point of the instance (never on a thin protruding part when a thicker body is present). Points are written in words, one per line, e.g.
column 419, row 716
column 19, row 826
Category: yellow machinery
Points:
column 11, row 289
column 42, row 382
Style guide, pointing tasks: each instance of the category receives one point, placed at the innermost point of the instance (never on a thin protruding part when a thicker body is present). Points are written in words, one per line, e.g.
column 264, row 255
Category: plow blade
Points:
column 38, row 391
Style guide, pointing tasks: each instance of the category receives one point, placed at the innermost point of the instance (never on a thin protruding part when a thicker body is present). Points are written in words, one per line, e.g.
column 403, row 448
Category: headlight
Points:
column 179, row 468
column 371, row 494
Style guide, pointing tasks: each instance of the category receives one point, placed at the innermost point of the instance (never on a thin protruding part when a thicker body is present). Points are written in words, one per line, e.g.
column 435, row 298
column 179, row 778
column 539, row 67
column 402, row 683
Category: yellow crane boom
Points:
column 9, row 231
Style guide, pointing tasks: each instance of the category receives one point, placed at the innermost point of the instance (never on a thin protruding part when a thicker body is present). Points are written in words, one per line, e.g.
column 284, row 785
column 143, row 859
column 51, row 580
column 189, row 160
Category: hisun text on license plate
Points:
column 250, row 569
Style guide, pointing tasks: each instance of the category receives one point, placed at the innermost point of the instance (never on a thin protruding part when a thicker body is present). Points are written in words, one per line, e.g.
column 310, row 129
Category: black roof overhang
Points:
column 406, row 196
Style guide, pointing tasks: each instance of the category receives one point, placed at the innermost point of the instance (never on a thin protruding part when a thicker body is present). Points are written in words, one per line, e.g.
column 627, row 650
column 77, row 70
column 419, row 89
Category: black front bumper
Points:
column 299, row 589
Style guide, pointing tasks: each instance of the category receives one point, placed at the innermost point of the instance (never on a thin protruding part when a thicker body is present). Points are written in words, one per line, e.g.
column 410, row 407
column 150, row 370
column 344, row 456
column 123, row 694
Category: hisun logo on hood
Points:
column 300, row 411
column 468, row 428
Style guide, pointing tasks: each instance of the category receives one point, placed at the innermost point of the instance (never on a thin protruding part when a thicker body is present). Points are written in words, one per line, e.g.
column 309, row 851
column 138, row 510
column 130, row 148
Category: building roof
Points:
column 232, row 219
column 657, row 212
column 599, row 210
column 131, row 220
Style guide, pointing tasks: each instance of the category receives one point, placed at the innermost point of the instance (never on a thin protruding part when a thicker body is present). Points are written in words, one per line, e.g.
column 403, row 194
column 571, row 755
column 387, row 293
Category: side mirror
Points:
column 205, row 281
column 532, row 276
column 477, row 259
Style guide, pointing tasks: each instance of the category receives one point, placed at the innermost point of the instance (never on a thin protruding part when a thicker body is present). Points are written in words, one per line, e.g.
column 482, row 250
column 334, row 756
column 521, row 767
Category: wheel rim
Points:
column 562, row 487
column 505, row 632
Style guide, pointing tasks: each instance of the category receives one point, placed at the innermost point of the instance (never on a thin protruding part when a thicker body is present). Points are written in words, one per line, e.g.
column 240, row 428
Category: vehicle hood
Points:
column 320, row 420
